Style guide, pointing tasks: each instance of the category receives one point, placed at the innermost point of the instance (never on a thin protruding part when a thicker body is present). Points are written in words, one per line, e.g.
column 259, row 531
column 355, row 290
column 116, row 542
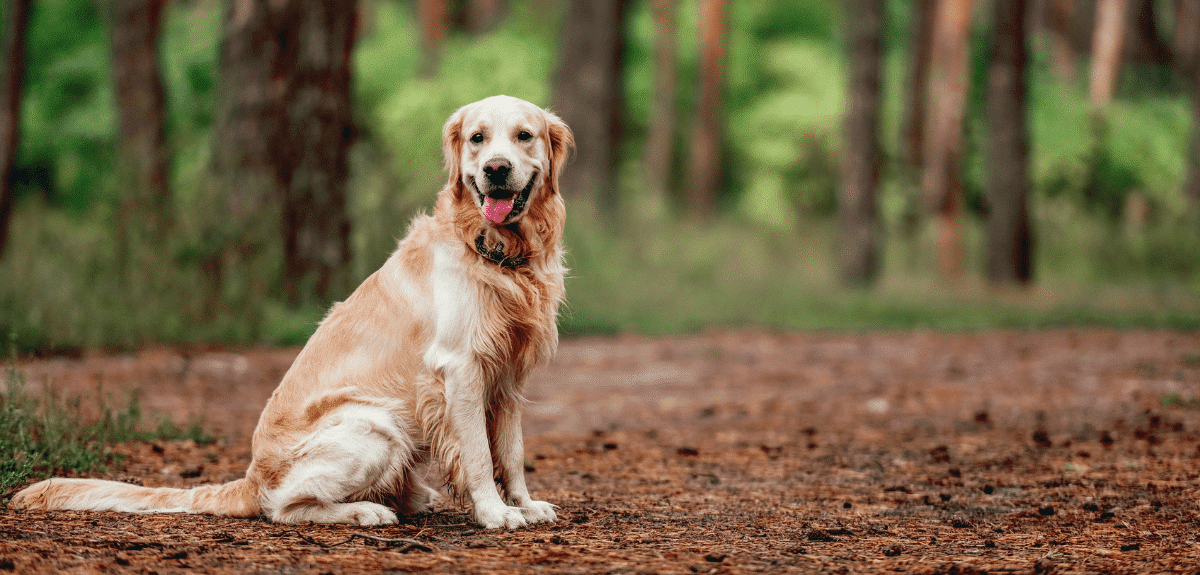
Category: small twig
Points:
column 409, row 544
column 405, row 545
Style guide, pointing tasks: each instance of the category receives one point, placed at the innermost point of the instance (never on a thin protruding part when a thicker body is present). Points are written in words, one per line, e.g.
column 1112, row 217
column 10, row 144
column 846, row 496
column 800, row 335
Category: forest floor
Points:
column 1064, row 451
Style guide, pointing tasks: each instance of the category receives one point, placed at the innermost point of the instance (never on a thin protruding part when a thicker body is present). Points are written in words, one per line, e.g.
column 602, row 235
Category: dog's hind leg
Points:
column 359, row 451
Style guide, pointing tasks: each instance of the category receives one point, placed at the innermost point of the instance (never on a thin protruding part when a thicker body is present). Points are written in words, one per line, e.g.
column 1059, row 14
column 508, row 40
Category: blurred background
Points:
column 207, row 171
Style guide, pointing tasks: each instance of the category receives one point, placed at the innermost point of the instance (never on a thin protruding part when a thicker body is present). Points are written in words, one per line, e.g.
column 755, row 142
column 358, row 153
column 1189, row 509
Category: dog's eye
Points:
column 477, row 138
column 524, row 136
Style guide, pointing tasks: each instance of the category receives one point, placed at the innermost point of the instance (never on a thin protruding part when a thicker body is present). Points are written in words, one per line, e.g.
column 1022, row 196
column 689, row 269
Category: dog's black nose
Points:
column 497, row 170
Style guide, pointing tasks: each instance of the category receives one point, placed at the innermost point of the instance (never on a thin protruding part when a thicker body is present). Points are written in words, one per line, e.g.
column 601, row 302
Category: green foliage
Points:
column 68, row 118
column 45, row 434
column 795, row 18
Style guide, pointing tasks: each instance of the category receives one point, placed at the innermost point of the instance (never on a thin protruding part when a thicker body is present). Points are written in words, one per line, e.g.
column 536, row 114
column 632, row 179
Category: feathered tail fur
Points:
column 236, row 499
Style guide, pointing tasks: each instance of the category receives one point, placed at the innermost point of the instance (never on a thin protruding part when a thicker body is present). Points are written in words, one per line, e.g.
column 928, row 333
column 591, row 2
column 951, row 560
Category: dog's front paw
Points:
column 500, row 517
column 539, row 512
column 374, row 515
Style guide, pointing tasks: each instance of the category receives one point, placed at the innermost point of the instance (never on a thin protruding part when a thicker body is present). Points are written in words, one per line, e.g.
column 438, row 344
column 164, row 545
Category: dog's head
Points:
column 504, row 153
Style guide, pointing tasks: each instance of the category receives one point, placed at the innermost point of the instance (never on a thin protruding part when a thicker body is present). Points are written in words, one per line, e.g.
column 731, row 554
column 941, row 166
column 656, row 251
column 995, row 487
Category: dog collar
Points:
column 495, row 254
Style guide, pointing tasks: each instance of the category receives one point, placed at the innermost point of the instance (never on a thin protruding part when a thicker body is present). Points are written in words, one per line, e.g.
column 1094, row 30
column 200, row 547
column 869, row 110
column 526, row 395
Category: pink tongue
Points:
column 497, row 210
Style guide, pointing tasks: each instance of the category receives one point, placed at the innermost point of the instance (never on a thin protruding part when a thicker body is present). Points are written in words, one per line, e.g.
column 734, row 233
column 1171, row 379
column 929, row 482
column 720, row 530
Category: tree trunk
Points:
column 660, row 137
column 1107, row 45
column 16, row 19
column 859, row 235
column 479, row 16
column 316, row 145
column 1061, row 14
column 706, row 171
column 1009, row 254
column 1192, row 155
column 1185, row 42
column 942, row 181
column 241, row 240
column 587, row 95
column 283, row 132
column 912, row 133
column 434, row 16
column 250, row 103
column 141, row 110
column 1145, row 43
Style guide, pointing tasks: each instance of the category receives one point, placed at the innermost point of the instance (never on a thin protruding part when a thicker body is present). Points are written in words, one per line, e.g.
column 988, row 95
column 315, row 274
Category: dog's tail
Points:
column 237, row 498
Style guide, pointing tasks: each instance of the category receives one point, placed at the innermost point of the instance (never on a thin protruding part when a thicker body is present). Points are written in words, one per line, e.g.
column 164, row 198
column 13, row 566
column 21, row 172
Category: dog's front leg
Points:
column 509, row 448
column 472, row 468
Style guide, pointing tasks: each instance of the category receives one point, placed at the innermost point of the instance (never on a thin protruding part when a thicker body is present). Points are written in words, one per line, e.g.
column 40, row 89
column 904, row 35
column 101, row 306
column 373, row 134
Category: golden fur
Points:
column 424, row 362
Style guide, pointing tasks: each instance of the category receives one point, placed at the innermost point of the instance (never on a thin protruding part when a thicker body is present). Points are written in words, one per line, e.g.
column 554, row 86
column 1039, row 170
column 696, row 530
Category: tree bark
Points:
column 912, row 132
column 434, row 16
column 706, row 172
column 1009, row 253
column 859, row 235
column 141, row 110
column 283, row 132
column 660, row 137
column 16, row 20
column 1061, row 14
column 1107, row 45
column 316, row 146
column 587, row 95
column 1185, row 42
column 479, row 16
column 942, row 182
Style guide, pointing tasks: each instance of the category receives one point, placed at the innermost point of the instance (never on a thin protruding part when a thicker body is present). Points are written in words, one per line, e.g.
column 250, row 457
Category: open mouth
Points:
column 500, row 204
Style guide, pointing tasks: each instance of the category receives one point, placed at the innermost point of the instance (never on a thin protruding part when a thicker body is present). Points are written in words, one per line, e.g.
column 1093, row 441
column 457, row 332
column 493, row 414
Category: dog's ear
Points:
column 562, row 143
column 452, row 142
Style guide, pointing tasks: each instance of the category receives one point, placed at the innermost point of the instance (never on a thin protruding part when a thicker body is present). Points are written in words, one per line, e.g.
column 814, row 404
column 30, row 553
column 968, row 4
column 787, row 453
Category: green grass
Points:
column 44, row 434
column 659, row 277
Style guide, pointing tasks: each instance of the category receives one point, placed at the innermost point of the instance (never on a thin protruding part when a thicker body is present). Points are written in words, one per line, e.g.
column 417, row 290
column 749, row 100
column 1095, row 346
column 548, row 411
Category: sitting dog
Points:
column 424, row 363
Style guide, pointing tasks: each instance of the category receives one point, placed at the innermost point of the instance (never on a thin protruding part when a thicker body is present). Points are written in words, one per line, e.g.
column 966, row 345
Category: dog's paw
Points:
column 539, row 512
column 367, row 514
column 362, row 513
column 500, row 517
column 421, row 500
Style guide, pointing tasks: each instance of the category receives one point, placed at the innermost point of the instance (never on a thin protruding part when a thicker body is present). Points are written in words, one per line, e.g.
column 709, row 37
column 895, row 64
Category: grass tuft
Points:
column 44, row 434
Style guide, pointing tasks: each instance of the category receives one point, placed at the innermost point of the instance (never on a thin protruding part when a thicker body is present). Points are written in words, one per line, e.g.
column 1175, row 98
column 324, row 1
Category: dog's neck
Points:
column 536, row 235
column 495, row 253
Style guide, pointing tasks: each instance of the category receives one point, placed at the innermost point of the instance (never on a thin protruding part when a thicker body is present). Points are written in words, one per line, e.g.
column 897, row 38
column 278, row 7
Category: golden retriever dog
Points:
column 423, row 364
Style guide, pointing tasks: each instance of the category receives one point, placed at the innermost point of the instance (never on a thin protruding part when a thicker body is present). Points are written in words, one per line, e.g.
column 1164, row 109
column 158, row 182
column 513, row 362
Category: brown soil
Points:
column 730, row 452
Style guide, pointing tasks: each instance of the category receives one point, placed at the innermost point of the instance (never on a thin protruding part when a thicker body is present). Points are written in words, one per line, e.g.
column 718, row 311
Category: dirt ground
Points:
column 1064, row 451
